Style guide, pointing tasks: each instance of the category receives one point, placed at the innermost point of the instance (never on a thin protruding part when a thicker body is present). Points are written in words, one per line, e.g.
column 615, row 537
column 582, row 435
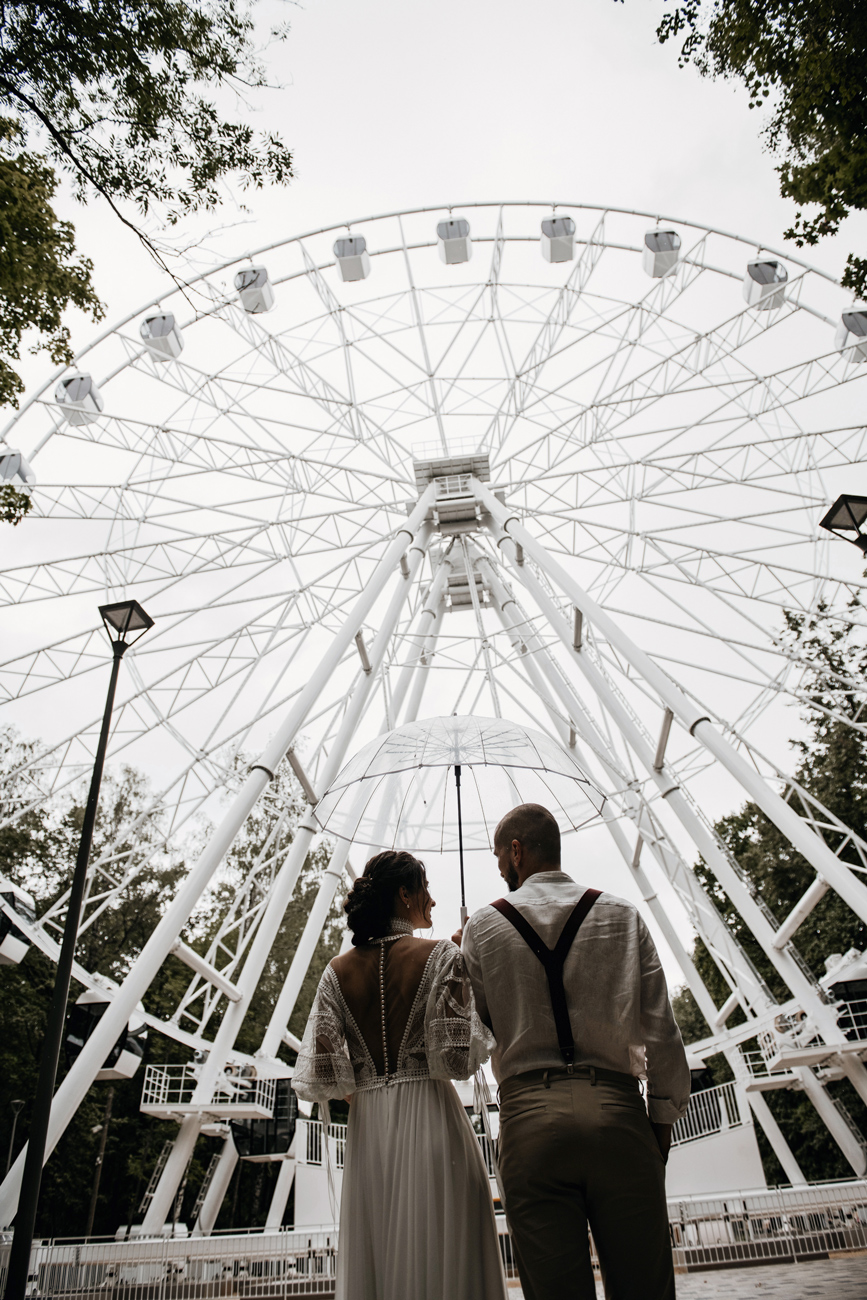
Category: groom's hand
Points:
column 662, row 1132
column 457, row 936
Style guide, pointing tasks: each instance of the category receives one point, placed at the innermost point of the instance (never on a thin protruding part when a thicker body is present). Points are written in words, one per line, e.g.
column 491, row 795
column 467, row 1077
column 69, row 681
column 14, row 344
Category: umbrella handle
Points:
column 461, row 842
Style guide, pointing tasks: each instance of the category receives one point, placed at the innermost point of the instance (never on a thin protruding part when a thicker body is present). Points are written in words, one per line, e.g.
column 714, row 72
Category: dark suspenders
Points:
column 553, row 959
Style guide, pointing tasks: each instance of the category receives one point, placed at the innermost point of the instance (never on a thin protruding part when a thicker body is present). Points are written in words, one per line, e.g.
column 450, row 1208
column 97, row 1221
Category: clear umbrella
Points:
column 399, row 790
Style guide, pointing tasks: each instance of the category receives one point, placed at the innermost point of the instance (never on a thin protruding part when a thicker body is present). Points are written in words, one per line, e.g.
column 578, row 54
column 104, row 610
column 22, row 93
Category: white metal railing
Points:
column 465, row 446
column 777, row 1225
column 774, row 1225
column 174, row 1085
column 852, row 1020
column 714, row 1110
column 453, row 485
column 309, row 1147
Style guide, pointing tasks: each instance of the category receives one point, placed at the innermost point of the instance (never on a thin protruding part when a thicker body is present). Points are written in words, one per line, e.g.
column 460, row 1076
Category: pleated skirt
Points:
column 416, row 1215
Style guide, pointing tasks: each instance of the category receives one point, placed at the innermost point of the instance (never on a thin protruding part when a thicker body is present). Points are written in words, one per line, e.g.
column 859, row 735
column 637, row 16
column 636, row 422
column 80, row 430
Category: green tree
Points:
column 804, row 59
column 122, row 97
column 38, row 841
column 831, row 766
column 40, row 275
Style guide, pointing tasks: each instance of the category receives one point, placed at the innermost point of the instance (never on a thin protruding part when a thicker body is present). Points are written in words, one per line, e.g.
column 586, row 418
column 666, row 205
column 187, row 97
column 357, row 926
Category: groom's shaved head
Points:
column 535, row 828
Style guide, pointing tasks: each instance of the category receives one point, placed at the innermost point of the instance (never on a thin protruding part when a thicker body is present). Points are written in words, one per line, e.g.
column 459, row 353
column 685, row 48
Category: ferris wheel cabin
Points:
column 161, row 336
column 453, row 241
column 558, row 239
column 765, row 284
column 851, row 334
column 661, row 252
column 80, row 398
column 353, row 259
column 125, row 1057
column 15, row 902
column 255, row 290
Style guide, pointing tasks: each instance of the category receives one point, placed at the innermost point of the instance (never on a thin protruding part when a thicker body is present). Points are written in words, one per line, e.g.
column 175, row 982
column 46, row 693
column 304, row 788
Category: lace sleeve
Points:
column 457, row 1041
column 323, row 1069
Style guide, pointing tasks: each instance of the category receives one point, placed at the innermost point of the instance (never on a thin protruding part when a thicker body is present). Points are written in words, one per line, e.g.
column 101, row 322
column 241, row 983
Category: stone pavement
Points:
column 824, row 1279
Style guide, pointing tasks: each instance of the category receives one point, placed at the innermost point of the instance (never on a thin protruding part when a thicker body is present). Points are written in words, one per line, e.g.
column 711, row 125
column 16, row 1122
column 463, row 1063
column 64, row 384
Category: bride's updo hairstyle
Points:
column 369, row 905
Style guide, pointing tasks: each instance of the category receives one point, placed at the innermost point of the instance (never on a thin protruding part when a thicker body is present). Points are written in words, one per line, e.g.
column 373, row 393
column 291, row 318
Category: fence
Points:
column 778, row 1225
column 169, row 1089
column 308, row 1143
column 713, row 1110
column 781, row 1225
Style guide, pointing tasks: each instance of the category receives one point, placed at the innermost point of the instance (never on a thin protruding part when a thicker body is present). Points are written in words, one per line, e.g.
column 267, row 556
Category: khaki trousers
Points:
column 576, row 1153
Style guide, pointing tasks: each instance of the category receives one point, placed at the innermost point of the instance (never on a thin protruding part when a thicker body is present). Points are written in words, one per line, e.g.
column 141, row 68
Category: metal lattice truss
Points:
column 392, row 495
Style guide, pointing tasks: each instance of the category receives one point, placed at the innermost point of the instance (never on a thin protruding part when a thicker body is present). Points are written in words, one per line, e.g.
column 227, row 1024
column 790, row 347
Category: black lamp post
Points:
column 846, row 517
column 120, row 620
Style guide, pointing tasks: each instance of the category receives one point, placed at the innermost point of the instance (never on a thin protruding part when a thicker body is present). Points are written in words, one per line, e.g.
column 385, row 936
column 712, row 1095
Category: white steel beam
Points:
column 205, row 969
column 283, row 1186
column 799, row 913
column 216, row 1193
column 74, row 1087
column 281, row 892
column 697, row 723
column 517, row 633
column 702, row 836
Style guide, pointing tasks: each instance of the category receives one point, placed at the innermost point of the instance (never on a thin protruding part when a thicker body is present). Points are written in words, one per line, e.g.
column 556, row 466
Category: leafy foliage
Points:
column 806, row 59
column 124, row 97
column 117, row 88
column 14, row 505
column 832, row 766
column 38, row 842
column 40, row 275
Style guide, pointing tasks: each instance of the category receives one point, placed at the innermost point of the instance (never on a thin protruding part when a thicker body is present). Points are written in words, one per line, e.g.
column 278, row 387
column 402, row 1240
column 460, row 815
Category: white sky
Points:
column 391, row 105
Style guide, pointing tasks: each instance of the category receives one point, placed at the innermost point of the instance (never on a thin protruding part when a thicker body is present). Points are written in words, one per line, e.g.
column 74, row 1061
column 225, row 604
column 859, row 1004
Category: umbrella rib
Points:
column 482, row 806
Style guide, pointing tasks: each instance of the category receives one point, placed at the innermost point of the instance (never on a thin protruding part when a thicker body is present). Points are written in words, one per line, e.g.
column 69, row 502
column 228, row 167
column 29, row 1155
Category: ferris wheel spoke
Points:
column 527, row 373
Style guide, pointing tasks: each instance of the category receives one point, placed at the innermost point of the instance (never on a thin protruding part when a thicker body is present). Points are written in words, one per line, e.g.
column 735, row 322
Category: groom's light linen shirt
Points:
column 618, row 1001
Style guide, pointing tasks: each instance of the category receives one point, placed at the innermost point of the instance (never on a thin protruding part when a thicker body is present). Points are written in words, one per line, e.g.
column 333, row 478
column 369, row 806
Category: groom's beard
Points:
column 512, row 878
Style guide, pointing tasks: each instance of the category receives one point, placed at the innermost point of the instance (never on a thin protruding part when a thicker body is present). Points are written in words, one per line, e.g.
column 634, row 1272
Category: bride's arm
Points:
column 457, row 1041
column 323, row 1070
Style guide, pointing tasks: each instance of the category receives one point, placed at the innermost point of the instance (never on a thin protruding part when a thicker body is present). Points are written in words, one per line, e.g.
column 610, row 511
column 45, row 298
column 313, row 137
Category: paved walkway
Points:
column 824, row 1279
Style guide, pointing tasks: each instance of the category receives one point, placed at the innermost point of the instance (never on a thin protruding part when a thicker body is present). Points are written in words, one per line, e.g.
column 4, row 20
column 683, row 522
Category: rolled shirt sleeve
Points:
column 668, row 1081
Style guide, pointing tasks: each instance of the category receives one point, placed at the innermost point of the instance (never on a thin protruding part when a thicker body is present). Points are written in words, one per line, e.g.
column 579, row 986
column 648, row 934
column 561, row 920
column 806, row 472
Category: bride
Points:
column 392, row 1022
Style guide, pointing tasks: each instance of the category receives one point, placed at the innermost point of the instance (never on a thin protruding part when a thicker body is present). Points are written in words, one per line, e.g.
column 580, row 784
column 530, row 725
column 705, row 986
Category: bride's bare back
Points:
column 357, row 974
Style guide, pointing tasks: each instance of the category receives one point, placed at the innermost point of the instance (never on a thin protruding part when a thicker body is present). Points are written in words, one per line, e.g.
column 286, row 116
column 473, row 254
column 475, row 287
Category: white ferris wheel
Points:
column 557, row 463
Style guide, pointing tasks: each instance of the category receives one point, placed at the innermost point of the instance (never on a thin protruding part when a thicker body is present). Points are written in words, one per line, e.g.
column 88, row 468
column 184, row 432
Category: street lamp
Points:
column 16, row 1111
column 846, row 516
column 121, row 620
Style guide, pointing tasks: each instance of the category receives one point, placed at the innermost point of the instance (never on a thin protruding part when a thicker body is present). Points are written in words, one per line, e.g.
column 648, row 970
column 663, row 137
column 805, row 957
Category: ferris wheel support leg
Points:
column 74, row 1087
column 284, row 884
column 534, row 665
column 282, row 1188
column 795, row 829
column 822, row 1015
column 834, row 1121
column 315, row 924
column 538, row 660
column 215, row 1194
column 429, row 620
column 334, row 874
column 422, row 669
column 772, row 1131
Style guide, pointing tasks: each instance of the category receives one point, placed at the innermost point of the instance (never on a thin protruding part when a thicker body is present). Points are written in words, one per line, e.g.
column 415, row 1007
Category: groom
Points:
column 570, row 983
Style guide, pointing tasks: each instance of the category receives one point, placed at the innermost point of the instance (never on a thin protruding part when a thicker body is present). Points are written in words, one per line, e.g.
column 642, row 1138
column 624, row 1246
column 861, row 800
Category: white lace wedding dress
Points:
column 416, row 1217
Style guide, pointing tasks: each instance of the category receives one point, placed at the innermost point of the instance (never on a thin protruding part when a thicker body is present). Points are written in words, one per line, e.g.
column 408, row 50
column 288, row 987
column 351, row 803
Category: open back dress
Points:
column 416, row 1216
